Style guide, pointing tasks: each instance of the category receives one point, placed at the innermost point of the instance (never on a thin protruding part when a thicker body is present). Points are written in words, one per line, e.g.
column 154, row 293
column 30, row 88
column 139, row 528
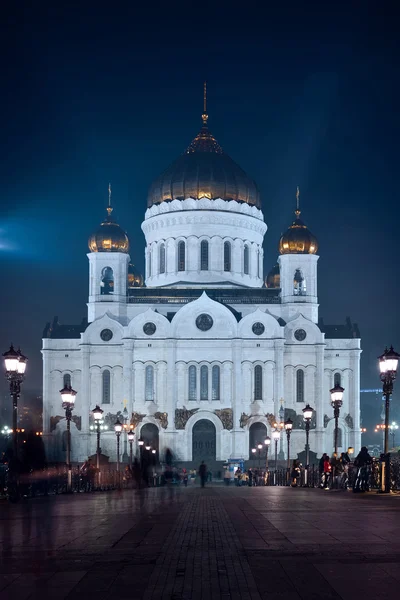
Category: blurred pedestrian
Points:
column 203, row 473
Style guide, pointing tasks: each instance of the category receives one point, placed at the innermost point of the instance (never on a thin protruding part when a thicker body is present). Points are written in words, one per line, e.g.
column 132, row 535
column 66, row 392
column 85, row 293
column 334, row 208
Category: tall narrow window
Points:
column 216, row 375
column 192, row 383
column 149, row 383
column 204, row 255
column 67, row 380
column 300, row 385
column 181, row 256
column 258, row 263
column 204, row 383
column 162, row 258
column 258, row 382
column 246, row 260
column 227, row 256
column 337, row 379
column 149, row 262
column 107, row 281
column 106, row 398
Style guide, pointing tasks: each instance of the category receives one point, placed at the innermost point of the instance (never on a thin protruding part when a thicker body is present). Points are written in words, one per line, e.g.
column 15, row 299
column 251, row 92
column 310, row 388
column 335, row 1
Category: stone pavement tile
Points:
column 367, row 581
column 391, row 569
column 5, row 580
column 308, row 581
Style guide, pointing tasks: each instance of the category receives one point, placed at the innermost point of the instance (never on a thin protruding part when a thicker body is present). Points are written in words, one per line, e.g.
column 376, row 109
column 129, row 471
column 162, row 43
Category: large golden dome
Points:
column 109, row 237
column 204, row 170
column 135, row 279
column 273, row 279
column 298, row 239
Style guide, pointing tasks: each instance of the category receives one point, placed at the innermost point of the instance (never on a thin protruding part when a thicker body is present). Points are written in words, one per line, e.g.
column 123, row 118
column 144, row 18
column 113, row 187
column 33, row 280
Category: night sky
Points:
column 306, row 95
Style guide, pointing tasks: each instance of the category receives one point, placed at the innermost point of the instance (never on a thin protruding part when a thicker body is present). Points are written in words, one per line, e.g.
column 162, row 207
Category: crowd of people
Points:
column 338, row 472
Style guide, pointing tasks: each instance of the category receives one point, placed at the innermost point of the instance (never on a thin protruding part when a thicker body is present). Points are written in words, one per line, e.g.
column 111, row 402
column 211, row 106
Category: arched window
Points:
column 339, row 438
column 204, row 383
column 181, row 256
column 227, row 256
column 299, row 284
column 337, row 379
column 192, row 383
column 106, row 392
column 300, row 385
column 107, row 281
column 67, row 380
column 258, row 382
column 246, row 260
column 204, row 255
column 162, row 258
column 149, row 383
column 149, row 263
column 216, row 376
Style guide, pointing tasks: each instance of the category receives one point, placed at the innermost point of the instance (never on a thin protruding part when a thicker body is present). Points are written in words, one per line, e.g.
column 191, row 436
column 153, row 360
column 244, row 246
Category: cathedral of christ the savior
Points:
column 205, row 357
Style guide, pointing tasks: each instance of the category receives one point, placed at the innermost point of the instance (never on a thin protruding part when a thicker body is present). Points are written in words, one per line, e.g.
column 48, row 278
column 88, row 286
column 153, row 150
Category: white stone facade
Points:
column 151, row 370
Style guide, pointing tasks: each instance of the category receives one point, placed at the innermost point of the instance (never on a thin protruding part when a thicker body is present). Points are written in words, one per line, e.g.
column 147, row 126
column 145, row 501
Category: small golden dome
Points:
column 109, row 237
column 298, row 239
column 135, row 279
column 273, row 279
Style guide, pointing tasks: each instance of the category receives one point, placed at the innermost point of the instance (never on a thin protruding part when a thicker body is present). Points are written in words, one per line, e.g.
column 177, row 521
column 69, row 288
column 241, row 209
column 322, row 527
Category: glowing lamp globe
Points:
column 118, row 427
column 267, row 441
column 307, row 412
column 97, row 413
column 68, row 395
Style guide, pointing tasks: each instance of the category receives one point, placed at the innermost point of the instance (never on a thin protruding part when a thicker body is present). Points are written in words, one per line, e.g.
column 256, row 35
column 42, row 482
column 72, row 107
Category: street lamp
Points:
column 307, row 416
column 98, row 415
column 141, row 444
column 276, row 434
column 288, row 429
column 259, row 447
column 267, row 443
column 131, row 437
column 118, row 428
column 148, row 447
column 336, row 403
column 15, row 365
column 388, row 362
column 68, row 403
column 393, row 428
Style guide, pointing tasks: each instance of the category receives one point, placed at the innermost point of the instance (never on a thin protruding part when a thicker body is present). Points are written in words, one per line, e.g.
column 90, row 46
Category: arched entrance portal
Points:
column 149, row 434
column 204, row 441
column 257, row 435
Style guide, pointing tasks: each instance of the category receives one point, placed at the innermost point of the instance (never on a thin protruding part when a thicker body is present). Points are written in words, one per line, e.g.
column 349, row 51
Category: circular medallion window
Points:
column 204, row 322
column 106, row 335
column 300, row 335
column 258, row 328
column 149, row 328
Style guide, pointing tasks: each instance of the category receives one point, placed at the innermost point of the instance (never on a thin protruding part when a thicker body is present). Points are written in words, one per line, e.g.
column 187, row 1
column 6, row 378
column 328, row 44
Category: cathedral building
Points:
column 201, row 357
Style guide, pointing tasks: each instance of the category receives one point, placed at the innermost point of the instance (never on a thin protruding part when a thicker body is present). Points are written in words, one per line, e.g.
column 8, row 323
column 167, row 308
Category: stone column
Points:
column 85, row 403
column 320, row 441
column 354, row 399
column 279, row 391
column 237, row 394
column 127, row 374
column 171, row 398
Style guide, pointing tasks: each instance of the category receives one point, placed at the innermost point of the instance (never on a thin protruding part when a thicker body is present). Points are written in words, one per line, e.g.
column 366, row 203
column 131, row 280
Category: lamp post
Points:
column 15, row 365
column 131, row 437
column 267, row 443
column 388, row 362
column 259, row 448
column 98, row 415
column 126, row 429
column 68, row 402
column 288, row 429
column 141, row 444
column 281, row 426
column 276, row 434
column 336, row 403
column 118, row 428
column 307, row 416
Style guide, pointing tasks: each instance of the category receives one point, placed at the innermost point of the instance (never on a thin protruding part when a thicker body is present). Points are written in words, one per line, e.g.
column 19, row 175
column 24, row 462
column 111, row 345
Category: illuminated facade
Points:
column 204, row 357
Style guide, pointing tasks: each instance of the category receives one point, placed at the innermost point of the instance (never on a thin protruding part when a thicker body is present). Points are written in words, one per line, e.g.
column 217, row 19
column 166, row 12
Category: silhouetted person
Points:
column 363, row 463
column 203, row 473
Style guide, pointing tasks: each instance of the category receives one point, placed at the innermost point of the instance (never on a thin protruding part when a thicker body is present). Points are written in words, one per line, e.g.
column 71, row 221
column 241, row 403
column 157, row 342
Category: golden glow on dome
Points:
column 109, row 237
column 135, row 279
column 298, row 239
column 273, row 279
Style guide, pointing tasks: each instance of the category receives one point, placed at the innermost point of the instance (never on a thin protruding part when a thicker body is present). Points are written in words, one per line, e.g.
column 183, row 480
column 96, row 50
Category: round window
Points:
column 106, row 335
column 149, row 328
column 204, row 322
column 258, row 328
column 300, row 335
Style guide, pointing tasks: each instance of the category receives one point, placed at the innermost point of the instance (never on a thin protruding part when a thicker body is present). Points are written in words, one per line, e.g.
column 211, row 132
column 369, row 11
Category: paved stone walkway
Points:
column 177, row 543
